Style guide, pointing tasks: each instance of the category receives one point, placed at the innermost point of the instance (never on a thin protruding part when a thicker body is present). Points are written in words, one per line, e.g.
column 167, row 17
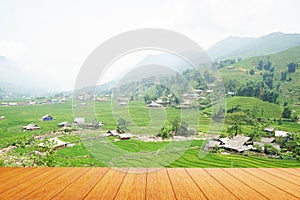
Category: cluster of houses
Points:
column 79, row 121
column 239, row 143
column 242, row 143
column 30, row 102
column 122, row 136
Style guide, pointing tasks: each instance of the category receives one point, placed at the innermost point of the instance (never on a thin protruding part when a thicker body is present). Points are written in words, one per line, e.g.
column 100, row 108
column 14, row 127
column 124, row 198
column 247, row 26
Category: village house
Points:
column 79, row 121
column 47, row 118
column 113, row 133
column 186, row 104
column 154, row 105
column 239, row 143
column 2, row 117
column 279, row 133
column 123, row 103
column 269, row 141
column 125, row 136
column 57, row 143
column 211, row 144
column 269, row 129
column 64, row 124
column 31, row 127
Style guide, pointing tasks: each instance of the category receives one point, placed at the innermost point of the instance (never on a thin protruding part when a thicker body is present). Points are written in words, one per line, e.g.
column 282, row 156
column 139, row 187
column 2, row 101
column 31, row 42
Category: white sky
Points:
column 52, row 38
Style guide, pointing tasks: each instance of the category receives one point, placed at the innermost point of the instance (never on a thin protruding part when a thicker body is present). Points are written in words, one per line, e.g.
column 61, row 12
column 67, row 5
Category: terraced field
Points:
column 192, row 157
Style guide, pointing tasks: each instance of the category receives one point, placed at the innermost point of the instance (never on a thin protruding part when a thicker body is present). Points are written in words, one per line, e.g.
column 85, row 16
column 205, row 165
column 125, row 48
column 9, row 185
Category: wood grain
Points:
column 141, row 183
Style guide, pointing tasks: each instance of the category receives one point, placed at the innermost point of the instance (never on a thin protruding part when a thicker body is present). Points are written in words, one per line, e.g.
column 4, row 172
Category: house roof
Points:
column 113, row 132
column 212, row 143
column 31, row 126
column 269, row 129
column 57, row 142
column 124, row 135
column 266, row 140
column 261, row 144
column 224, row 140
column 237, row 143
column 45, row 116
column 63, row 123
column 281, row 133
column 153, row 104
column 79, row 120
column 186, row 102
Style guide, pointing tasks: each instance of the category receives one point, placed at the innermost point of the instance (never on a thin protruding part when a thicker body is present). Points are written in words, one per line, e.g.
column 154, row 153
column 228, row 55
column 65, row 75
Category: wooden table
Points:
column 176, row 183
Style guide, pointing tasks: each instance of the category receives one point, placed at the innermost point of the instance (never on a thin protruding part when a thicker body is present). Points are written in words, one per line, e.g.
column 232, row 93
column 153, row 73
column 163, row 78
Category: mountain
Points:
column 16, row 83
column 245, row 47
column 154, row 65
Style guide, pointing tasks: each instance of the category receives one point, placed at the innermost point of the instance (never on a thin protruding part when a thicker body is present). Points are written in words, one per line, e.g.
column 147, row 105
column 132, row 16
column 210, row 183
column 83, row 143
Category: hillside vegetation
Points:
column 247, row 70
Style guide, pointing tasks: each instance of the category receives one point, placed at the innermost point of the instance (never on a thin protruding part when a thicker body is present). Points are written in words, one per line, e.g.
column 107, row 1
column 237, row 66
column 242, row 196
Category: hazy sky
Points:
column 52, row 38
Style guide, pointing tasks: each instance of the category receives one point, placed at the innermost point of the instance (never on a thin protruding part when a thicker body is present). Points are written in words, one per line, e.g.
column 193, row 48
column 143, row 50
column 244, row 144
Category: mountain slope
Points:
column 234, row 47
column 289, row 90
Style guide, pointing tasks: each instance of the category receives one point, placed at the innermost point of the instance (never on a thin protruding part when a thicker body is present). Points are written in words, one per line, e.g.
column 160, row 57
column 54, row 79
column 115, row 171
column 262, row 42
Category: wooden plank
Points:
column 5, row 169
column 259, row 185
column 80, row 188
column 282, row 174
column 294, row 172
column 288, row 187
column 175, row 183
column 34, row 183
column 108, row 186
column 22, row 177
column 47, row 191
column 209, row 185
column 159, row 185
column 238, row 188
column 184, row 187
column 133, row 185
column 10, row 172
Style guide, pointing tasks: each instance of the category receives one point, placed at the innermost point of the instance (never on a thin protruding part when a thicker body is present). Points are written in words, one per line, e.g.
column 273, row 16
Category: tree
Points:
column 236, row 120
column 286, row 113
column 183, row 129
column 270, row 149
column 165, row 131
column 219, row 114
column 260, row 65
column 283, row 76
column 43, row 155
column 209, row 77
column 292, row 67
column 122, row 126
column 252, row 72
column 175, row 124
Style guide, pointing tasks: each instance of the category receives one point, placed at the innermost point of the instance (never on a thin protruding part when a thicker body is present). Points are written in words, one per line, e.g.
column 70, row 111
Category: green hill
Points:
column 288, row 89
column 271, row 110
